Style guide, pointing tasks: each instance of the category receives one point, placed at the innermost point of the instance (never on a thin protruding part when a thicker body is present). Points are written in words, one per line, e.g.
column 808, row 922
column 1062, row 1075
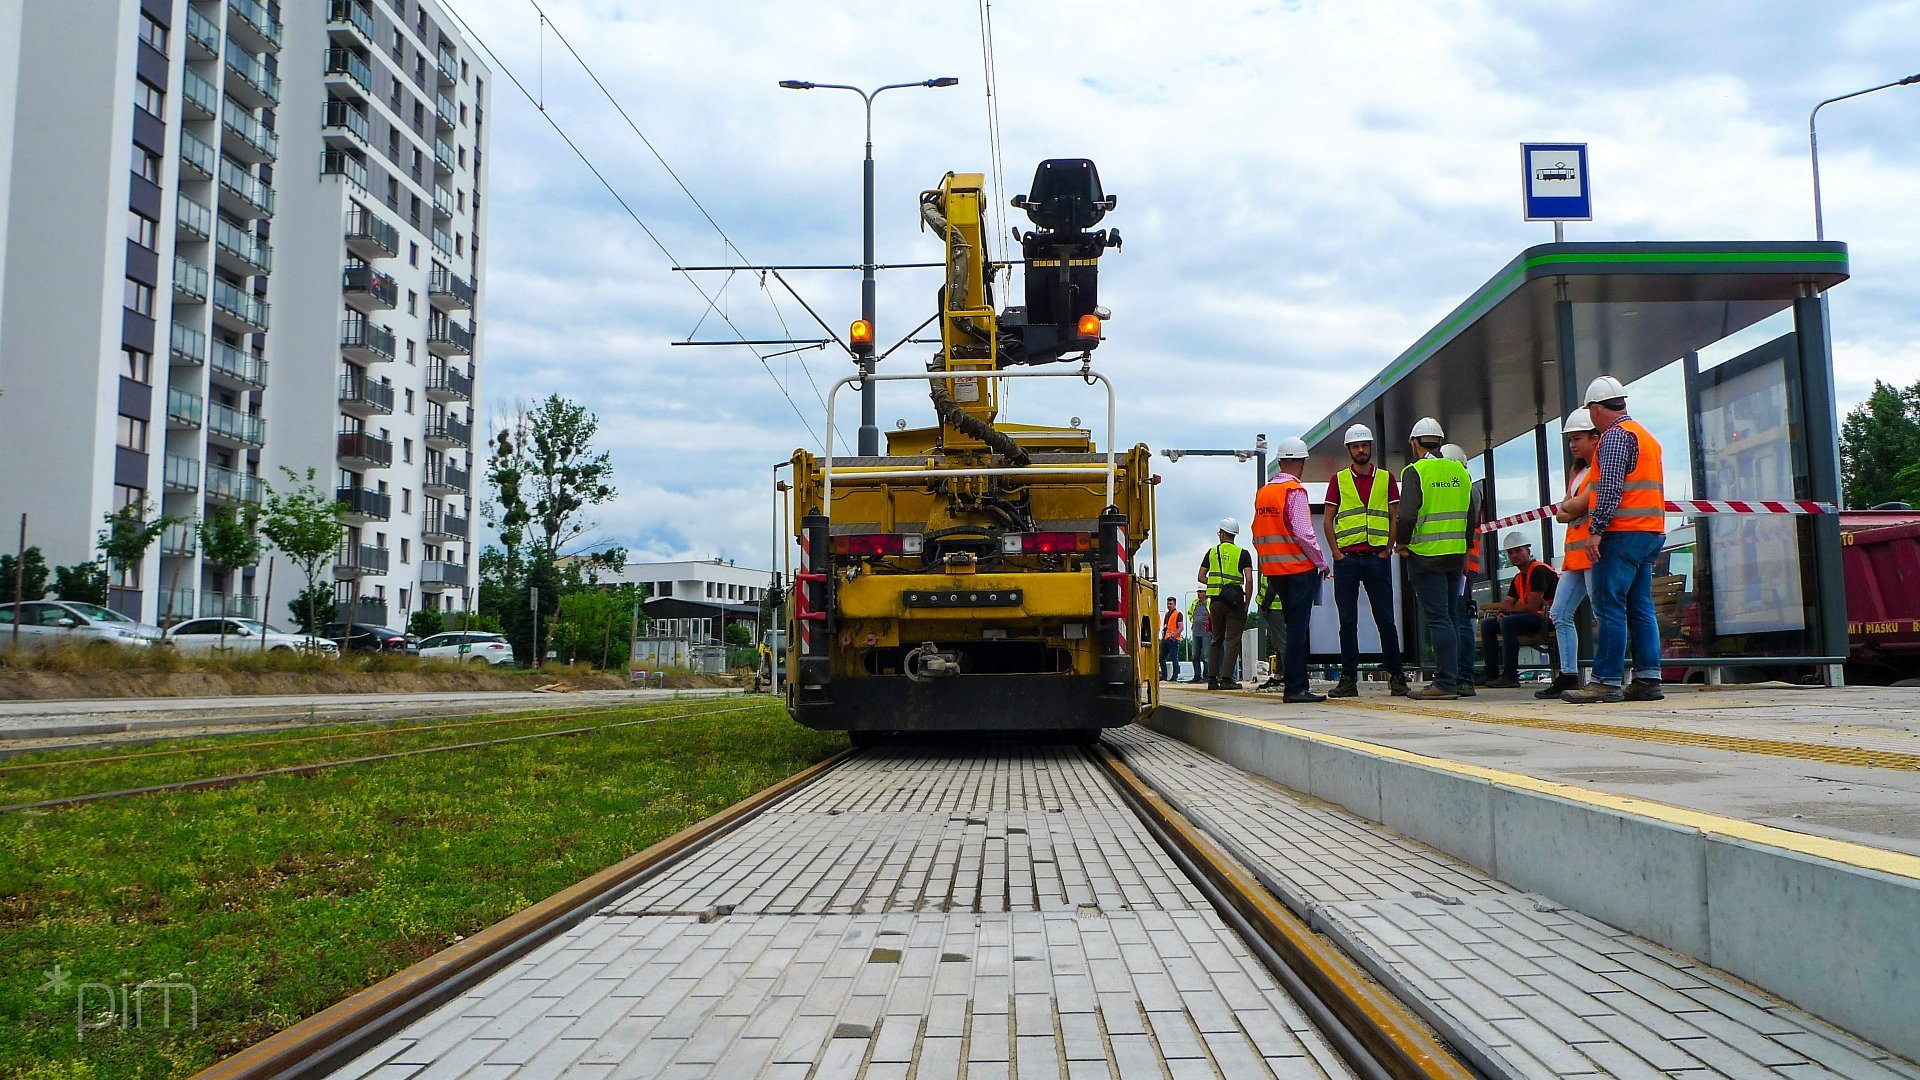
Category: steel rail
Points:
column 332, row 1037
column 1372, row 1031
column 308, row 769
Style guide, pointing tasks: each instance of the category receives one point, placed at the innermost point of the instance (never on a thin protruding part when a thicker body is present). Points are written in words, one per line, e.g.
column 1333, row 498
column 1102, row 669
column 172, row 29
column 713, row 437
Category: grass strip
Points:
column 272, row 900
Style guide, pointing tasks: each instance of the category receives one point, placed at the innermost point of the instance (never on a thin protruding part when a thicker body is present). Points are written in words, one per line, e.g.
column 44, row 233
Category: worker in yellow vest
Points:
column 1577, row 561
column 1629, row 516
column 1435, row 517
column 1227, row 572
column 1469, row 609
column 1359, row 518
column 1290, row 559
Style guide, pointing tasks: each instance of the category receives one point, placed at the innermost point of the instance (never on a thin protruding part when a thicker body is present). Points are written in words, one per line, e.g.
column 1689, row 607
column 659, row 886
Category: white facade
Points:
column 211, row 219
column 708, row 581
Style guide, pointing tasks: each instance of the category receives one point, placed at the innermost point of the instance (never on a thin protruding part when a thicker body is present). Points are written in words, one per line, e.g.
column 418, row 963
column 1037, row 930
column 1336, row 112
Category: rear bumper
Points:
column 966, row 703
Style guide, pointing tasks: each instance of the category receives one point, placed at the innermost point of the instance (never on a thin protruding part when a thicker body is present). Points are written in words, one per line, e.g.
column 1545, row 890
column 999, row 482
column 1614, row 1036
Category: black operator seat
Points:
column 1062, row 261
column 1066, row 196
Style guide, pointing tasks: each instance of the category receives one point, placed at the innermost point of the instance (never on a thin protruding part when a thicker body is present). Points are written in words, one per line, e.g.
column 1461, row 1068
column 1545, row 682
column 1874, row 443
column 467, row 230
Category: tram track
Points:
column 1372, row 1033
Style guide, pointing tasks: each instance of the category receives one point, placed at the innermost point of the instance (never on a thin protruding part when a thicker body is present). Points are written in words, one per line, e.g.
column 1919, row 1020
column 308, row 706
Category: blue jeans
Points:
column 1169, row 658
column 1503, row 634
column 1464, row 631
column 1623, row 614
column 1199, row 654
column 1297, row 593
column 1376, row 573
column 1566, row 601
column 1442, row 606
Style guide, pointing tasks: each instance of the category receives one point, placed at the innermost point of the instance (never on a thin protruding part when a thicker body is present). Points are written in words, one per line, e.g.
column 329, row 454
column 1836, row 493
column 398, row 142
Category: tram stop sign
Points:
column 1553, row 182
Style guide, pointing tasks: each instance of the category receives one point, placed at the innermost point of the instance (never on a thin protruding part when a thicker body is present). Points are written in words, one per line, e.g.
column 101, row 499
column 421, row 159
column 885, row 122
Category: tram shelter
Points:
column 1725, row 352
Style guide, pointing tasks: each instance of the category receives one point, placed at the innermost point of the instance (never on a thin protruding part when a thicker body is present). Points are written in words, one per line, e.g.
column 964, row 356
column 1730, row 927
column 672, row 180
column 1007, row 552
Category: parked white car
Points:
column 203, row 636
column 45, row 623
column 468, row 646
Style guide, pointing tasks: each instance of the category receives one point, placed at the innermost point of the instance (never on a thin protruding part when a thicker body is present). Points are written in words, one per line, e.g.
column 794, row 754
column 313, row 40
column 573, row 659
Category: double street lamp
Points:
column 869, row 442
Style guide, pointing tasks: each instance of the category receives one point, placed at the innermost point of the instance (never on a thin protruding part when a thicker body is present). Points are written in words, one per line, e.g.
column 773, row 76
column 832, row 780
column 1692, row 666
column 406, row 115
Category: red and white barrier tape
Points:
column 1689, row 507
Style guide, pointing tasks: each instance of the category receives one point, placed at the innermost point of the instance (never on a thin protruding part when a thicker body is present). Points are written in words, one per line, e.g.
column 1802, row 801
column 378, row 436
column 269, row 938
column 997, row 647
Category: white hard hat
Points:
column 1514, row 539
column 1294, row 449
column 1453, row 452
column 1359, row 433
column 1230, row 526
column 1578, row 420
column 1428, row 428
column 1604, row 388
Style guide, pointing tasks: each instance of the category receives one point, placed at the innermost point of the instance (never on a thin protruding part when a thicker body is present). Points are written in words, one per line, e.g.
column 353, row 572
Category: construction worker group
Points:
column 1432, row 517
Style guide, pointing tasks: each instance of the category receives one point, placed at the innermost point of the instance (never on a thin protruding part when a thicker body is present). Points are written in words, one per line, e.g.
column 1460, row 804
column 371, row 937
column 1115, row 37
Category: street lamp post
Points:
column 1813, row 144
column 869, row 442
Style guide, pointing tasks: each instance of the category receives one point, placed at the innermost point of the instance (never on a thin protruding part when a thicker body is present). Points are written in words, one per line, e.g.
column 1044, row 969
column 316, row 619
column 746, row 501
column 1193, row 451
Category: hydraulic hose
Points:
column 953, row 416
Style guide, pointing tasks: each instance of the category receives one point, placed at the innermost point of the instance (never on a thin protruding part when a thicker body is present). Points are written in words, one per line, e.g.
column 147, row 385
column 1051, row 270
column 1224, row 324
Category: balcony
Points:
column 346, row 69
column 341, row 163
column 359, row 560
column 189, row 346
column 443, row 241
column 448, row 291
column 369, row 290
column 230, row 425
column 252, row 22
column 363, row 397
column 192, row 219
column 246, row 138
column 437, row 575
column 180, row 541
column 251, row 192
column 371, row 237
column 444, row 526
column 445, row 432
column 181, row 473
column 215, row 605
column 197, row 155
column 189, row 281
column 244, row 312
column 238, row 368
column 342, row 125
column 365, row 450
column 201, row 97
column 361, row 505
column 446, row 479
column 175, row 604
column 203, row 38
column 226, row 485
column 443, row 157
column 364, row 340
column 349, row 19
column 252, row 83
column 367, row 609
column 447, row 383
column 445, row 113
column 183, row 409
column 443, row 204
column 240, row 251
column 448, row 338
column 449, row 67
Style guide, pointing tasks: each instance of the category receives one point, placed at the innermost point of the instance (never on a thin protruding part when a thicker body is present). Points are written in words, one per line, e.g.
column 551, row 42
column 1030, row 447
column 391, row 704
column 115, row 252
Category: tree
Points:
column 129, row 534
column 230, row 540
column 425, row 623
column 304, row 525
column 1878, row 440
column 32, row 568
column 85, row 582
column 737, row 633
column 597, row 622
column 313, row 607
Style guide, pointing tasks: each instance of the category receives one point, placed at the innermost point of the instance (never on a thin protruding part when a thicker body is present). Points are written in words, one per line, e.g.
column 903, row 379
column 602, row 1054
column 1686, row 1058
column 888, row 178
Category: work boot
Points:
column 1507, row 682
column 1561, row 684
column 1432, row 692
column 1483, row 679
column 1270, row 686
column 1398, row 684
column 1345, row 688
column 1308, row 698
column 1643, row 690
column 1592, row 693
column 1467, row 690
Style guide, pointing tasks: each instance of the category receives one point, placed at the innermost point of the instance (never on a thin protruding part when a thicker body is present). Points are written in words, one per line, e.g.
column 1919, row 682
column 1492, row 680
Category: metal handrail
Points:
column 1111, row 470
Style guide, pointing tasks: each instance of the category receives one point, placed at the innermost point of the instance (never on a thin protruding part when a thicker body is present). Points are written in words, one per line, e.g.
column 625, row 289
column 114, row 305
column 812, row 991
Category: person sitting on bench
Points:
column 1522, row 612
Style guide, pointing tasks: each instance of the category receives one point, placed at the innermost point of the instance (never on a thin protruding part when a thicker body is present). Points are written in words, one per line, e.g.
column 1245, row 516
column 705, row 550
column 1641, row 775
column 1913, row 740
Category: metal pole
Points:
column 19, row 579
column 869, row 442
column 1260, row 461
column 266, row 604
column 1813, row 145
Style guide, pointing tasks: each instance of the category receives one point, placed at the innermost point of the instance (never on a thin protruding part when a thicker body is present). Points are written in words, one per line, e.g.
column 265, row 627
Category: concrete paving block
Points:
column 1451, row 812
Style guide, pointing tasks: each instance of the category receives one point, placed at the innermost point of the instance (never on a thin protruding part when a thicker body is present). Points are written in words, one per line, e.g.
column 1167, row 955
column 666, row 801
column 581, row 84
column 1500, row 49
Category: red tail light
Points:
column 869, row 544
column 1045, row 543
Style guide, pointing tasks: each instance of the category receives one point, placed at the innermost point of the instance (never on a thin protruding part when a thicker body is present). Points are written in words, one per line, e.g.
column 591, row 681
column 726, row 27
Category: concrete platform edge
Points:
column 1831, row 937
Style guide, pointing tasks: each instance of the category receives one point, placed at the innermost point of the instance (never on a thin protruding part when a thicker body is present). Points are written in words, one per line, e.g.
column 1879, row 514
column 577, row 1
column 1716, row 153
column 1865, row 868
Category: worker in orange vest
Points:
column 1290, row 560
column 1172, row 629
column 1629, row 517
column 1577, row 562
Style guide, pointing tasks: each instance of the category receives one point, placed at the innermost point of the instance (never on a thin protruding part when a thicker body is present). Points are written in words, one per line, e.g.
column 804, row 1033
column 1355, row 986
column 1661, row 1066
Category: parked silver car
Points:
column 46, row 623
column 204, row 636
column 473, row 646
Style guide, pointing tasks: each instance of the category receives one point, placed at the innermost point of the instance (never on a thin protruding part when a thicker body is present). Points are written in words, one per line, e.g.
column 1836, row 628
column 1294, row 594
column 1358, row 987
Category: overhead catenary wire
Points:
column 711, row 303
column 995, row 153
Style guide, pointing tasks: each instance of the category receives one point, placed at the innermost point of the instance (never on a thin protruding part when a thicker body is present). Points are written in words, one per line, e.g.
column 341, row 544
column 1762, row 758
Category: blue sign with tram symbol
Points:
column 1553, row 182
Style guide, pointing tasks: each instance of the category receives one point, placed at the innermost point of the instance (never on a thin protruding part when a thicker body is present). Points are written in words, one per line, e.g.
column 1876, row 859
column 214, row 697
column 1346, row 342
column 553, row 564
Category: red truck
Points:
column 1880, row 552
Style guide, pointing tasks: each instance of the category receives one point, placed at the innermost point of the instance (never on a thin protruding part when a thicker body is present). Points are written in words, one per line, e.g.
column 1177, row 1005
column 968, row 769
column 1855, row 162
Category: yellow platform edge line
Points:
column 1846, row 852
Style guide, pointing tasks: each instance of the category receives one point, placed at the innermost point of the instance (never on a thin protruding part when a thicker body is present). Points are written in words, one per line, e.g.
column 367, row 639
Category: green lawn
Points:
column 274, row 899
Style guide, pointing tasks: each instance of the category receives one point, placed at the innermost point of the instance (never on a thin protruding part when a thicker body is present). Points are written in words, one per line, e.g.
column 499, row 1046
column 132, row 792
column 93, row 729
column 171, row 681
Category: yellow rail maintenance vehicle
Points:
column 981, row 575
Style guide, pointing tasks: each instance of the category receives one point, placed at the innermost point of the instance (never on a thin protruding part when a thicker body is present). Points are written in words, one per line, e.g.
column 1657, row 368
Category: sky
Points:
column 1304, row 189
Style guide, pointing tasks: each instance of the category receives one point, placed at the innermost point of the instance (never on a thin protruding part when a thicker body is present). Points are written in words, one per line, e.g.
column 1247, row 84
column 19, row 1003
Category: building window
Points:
column 133, row 433
column 139, row 297
column 463, row 71
column 459, row 244
column 463, row 116
column 413, row 254
column 150, row 99
column 406, row 500
column 143, row 230
column 409, row 402
column 410, row 345
column 124, row 496
column 136, row 365
column 146, row 164
column 153, row 34
column 406, row 450
column 463, row 157
column 406, row 555
column 413, row 302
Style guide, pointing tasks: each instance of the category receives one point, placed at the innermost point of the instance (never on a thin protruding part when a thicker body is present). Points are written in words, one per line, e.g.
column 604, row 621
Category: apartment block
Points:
column 241, row 238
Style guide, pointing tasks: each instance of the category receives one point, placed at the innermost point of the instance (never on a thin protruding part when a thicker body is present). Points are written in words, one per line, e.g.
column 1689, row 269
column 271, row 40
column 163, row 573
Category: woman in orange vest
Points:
column 1290, row 561
column 1578, row 560
column 1629, row 522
